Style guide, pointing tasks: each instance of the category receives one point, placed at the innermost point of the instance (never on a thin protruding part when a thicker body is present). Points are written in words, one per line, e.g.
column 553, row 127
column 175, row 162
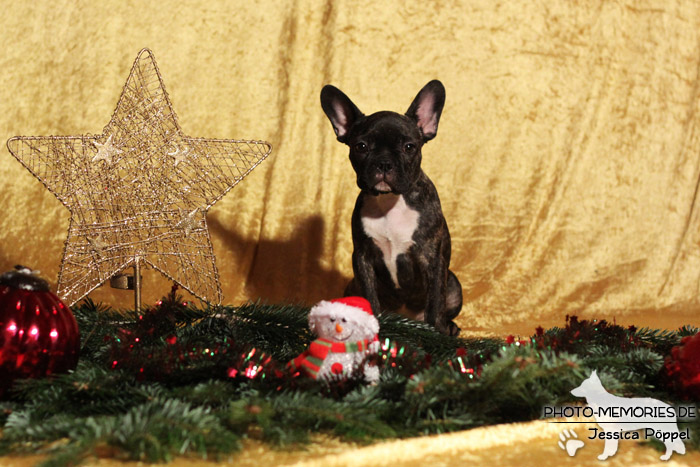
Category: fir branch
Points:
column 280, row 330
column 89, row 390
column 420, row 335
column 291, row 417
column 687, row 330
column 660, row 339
column 154, row 432
column 177, row 380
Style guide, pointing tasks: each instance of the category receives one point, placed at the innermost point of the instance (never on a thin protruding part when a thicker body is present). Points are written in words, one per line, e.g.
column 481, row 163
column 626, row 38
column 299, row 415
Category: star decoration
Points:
column 188, row 222
column 179, row 155
column 139, row 206
column 97, row 245
column 105, row 151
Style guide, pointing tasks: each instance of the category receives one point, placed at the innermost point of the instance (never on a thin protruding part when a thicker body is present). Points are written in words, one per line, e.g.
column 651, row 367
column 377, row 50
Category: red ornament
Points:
column 337, row 368
column 683, row 367
column 38, row 333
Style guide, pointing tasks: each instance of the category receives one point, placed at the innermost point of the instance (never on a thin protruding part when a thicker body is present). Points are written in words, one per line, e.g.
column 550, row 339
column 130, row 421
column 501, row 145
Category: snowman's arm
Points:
column 296, row 363
column 371, row 373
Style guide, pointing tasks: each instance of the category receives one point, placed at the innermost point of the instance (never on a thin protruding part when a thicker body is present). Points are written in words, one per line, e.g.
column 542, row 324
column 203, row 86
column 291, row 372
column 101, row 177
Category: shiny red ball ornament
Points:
column 38, row 333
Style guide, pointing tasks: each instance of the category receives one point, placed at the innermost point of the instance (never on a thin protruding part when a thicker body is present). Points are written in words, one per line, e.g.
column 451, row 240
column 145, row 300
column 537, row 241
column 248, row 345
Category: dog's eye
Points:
column 409, row 147
column 361, row 147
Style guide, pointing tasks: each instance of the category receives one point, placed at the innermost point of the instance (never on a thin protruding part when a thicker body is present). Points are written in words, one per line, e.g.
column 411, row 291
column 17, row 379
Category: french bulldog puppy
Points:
column 401, row 242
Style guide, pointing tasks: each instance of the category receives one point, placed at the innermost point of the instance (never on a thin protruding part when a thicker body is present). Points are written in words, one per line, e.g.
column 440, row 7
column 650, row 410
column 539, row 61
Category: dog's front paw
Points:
column 453, row 329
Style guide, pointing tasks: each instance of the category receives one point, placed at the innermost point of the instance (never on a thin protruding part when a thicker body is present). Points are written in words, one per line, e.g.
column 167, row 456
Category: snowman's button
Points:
column 337, row 368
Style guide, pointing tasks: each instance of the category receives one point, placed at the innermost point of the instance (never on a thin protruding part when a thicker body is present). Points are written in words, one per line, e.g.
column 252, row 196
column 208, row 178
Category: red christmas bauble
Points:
column 38, row 333
column 683, row 367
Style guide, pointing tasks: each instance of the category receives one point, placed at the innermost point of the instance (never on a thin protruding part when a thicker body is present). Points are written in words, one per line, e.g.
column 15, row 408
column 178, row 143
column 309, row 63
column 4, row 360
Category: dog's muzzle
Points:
column 383, row 176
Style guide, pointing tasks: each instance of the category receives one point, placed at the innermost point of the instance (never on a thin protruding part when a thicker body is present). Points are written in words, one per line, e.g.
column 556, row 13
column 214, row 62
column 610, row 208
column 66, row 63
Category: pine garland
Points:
column 184, row 381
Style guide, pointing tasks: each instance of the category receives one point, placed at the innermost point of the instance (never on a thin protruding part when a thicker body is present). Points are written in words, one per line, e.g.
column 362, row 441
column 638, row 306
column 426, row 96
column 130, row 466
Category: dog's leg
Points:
column 365, row 280
column 609, row 449
column 678, row 446
column 435, row 307
column 453, row 302
column 671, row 446
column 353, row 289
column 667, row 455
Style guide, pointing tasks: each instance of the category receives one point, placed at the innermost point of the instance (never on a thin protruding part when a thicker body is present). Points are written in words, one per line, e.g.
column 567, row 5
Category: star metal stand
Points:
column 130, row 282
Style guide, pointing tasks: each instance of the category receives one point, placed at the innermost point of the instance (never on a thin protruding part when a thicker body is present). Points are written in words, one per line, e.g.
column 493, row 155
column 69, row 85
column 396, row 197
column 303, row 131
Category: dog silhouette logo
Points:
column 622, row 418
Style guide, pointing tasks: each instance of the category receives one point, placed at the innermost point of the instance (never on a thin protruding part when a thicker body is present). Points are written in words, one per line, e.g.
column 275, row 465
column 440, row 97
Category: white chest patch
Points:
column 388, row 221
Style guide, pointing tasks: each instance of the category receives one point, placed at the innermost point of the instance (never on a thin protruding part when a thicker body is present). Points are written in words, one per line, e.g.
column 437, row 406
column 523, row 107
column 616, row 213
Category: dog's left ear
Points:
column 427, row 107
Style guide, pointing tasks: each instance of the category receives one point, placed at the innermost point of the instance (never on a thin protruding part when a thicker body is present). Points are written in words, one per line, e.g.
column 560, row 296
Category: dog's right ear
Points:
column 340, row 111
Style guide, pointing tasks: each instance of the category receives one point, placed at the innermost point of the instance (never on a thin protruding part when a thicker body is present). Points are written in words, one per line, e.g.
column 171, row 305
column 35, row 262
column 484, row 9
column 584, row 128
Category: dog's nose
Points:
column 338, row 328
column 385, row 166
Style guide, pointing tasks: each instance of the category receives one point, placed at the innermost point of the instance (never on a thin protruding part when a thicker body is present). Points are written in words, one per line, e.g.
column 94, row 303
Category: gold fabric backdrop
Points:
column 567, row 157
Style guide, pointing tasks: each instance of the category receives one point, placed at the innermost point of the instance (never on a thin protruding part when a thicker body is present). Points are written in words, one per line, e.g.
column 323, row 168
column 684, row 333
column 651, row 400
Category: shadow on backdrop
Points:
column 283, row 271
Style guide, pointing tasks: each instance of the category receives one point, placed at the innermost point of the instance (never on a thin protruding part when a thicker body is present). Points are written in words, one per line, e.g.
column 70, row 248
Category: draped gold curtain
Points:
column 567, row 158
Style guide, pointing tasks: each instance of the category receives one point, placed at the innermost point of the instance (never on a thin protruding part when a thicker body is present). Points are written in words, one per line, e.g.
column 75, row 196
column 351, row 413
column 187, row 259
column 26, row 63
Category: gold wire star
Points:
column 128, row 201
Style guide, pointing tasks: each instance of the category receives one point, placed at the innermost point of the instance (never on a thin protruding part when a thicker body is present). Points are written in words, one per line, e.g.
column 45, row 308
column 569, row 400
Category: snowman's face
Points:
column 335, row 326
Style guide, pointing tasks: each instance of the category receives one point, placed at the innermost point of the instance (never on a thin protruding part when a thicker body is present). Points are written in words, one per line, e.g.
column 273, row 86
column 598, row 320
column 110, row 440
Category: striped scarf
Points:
column 311, row 360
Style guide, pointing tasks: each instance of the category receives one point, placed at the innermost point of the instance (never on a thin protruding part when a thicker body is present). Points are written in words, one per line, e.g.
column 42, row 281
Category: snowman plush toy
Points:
column 347, row 336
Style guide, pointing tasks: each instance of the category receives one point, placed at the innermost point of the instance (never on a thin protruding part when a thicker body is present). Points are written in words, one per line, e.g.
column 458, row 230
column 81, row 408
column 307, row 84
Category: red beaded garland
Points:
column 38, row 333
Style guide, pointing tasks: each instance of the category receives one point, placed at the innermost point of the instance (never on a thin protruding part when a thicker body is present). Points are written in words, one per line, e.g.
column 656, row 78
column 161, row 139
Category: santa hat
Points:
column 356, row 309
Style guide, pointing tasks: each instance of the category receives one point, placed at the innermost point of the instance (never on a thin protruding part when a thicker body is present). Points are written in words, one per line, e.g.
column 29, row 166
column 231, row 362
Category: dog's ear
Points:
column 340, row 111
column 427, row 107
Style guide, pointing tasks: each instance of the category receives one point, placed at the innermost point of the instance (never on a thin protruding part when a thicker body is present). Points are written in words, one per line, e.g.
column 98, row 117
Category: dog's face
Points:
column 385, row 147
